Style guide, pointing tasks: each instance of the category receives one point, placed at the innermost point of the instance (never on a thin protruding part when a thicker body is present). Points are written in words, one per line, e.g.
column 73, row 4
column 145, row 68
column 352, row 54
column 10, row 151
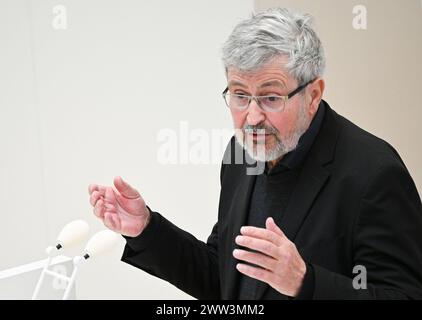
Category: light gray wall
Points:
column 84, row 104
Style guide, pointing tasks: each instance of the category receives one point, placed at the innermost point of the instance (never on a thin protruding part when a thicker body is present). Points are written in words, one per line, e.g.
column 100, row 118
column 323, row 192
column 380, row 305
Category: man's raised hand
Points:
column 121, row 209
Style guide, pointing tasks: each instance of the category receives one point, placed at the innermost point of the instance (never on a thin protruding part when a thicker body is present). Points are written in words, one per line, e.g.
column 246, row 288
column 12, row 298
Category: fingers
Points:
column 99, row 209
column 263, row 234
column 95, row 196
column 105, row 205
column 263, row 246
column 255, row 258
column 102, row 202
column 110, row 197
column 96, row 187
column 256, row 273
column 92, row 187
column 270, row 224
column 102, row 199
column 125, row 189
column 107, row 213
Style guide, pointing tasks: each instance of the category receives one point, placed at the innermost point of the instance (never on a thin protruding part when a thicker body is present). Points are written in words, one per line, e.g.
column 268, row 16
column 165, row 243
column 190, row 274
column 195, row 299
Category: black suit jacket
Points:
column 354, row 204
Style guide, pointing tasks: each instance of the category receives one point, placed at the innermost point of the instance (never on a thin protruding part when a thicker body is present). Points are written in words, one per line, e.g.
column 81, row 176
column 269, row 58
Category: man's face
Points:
column 282, row 129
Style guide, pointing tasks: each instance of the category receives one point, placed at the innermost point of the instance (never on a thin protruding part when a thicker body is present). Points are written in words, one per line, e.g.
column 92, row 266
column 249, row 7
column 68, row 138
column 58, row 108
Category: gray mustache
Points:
column 259, row 129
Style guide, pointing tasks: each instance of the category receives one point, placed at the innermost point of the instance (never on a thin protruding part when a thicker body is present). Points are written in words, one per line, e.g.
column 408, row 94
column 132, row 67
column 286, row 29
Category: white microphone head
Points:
column 101, row 242
column 73, row 233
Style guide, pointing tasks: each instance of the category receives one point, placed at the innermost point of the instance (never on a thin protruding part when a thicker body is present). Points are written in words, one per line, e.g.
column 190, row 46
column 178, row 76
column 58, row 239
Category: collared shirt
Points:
column 271, row 194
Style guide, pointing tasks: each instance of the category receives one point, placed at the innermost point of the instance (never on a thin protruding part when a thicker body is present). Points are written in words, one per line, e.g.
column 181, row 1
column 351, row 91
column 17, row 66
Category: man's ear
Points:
column 315, row 92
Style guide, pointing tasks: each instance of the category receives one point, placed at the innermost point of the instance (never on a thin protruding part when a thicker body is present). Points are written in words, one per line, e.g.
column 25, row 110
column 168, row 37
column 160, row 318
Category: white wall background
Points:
column 84, row 104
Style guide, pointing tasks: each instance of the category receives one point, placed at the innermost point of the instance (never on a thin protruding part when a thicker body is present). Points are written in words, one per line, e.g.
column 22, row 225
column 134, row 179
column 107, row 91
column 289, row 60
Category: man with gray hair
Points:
column 333, row 214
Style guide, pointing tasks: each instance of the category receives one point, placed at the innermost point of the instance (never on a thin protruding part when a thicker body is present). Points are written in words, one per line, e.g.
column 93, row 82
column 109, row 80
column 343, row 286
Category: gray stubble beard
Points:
column 258, row 152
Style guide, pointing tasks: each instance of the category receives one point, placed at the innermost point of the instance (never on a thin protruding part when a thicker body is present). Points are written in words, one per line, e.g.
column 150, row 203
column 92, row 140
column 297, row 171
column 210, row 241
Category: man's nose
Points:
column 255, row 114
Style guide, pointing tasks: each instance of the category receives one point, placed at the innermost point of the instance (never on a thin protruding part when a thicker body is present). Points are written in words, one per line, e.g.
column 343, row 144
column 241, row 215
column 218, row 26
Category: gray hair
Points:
column 273, row 33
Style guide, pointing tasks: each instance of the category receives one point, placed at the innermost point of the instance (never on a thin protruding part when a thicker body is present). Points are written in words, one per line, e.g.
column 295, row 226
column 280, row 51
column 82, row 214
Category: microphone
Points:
column 100, row 243
column 72, row 233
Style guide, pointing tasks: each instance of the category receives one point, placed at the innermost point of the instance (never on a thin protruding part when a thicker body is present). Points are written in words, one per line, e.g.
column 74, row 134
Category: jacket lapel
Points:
column 310, row 182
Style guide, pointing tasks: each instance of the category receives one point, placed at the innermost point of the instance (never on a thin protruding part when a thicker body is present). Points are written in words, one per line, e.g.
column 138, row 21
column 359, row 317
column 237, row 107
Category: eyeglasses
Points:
column 271, row 103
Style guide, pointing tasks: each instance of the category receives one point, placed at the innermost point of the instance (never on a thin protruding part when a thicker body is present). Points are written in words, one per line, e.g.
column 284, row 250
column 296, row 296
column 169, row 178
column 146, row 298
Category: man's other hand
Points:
column 277, row 261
